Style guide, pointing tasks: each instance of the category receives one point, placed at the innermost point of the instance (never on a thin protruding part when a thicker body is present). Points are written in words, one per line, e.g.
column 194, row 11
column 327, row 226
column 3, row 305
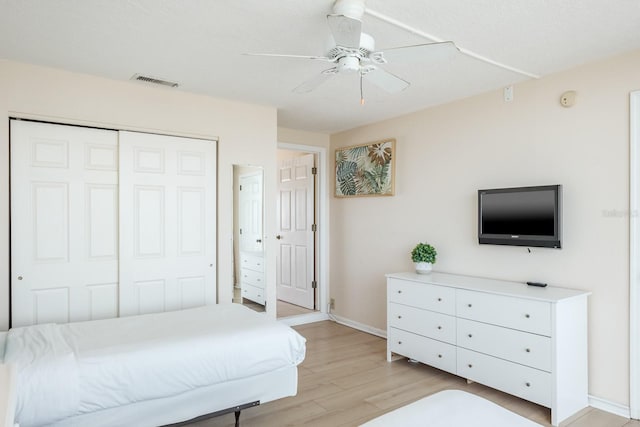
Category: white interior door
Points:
column 167, row 223
column 295, row 260
column 64, row 223
column 250, row 212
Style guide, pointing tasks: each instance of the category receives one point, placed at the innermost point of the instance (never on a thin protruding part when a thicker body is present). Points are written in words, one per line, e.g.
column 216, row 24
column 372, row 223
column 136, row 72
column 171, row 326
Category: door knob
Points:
column 278, row 237
column 258, row 240
column 19, row 277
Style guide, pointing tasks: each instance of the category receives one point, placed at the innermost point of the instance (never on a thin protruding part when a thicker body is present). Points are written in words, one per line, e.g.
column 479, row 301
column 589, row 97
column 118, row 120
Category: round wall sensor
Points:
column 568, row 99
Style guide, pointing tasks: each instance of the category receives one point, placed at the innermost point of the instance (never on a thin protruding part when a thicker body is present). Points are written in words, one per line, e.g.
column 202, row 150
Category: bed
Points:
column 151, row 370
column 451, row 408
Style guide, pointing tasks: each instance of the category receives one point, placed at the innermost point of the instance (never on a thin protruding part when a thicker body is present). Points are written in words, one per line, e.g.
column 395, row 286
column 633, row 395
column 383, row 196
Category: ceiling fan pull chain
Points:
column 361, row 93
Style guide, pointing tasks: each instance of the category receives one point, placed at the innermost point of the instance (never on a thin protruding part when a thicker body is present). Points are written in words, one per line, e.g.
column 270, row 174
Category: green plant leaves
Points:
column 424, row 252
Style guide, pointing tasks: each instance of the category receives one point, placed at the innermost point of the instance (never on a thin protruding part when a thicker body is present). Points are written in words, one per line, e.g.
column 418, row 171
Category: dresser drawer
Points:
column 429, row 297
column 517, row 346
column 251, row 262
column 522, row 314
column 522, row 381
column 253, row 293
column 422, row 322
column 431, row 352
column 250, row 277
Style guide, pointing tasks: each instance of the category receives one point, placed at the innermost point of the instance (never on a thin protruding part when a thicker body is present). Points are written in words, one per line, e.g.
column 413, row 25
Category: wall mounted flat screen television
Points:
column 523, row 216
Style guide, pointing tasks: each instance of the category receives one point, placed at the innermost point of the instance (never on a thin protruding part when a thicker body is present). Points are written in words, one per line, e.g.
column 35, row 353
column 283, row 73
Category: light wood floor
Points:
column 345, row 380
column 284, row 309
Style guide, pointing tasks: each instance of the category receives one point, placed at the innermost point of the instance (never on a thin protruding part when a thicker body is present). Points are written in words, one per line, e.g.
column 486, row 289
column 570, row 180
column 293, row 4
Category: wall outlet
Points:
column 332, row 303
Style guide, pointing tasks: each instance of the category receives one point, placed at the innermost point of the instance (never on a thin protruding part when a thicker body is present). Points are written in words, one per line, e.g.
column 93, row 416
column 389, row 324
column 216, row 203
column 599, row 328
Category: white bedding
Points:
column 66, row 370
column 451, row 408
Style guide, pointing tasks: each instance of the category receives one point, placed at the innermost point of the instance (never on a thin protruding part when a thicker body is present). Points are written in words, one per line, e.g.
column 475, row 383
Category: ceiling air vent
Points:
column 153, row 80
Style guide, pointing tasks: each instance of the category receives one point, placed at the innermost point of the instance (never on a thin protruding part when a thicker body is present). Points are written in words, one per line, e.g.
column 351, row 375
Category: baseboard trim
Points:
column 608, row 406
column 359, row 326
column 303, row 319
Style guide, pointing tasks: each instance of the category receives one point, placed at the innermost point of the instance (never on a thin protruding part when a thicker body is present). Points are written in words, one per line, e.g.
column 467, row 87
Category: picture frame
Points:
column 366, row 169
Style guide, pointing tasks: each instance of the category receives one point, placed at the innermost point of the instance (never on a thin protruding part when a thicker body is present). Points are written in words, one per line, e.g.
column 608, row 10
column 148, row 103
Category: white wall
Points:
column 247, row 134
column 445, row 154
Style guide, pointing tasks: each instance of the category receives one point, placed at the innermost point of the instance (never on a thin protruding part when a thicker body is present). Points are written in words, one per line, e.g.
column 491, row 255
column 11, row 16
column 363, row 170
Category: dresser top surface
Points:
column 500, row 287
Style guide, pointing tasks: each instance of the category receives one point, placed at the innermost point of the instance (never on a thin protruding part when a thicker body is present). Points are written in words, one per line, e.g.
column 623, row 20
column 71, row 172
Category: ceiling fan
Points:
column 354, row 51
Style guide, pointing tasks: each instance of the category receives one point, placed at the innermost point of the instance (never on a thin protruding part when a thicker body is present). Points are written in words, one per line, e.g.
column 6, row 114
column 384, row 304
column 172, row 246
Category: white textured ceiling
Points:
column 199, row 44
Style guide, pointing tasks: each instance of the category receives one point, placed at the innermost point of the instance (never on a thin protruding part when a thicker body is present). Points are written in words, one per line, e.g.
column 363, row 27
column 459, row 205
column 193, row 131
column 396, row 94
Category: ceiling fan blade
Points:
column 421, row 53
column 385, row 80
column 310, row 85
column 346, row 31
column 278, row 55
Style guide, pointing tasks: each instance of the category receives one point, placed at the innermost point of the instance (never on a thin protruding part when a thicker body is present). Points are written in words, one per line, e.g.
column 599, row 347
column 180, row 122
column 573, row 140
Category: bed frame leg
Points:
column 234, row 409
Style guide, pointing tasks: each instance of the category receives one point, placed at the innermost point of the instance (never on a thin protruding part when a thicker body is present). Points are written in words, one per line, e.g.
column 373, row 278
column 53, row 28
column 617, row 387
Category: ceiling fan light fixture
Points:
column 349, row 64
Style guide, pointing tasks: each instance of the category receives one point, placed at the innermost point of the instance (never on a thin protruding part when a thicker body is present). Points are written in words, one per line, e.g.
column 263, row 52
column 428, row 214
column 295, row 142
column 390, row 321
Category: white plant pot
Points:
column 423, row 267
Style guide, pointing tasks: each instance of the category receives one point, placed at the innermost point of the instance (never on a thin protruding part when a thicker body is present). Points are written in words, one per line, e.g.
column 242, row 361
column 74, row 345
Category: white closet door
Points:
column 64, row 222
column 167, row 223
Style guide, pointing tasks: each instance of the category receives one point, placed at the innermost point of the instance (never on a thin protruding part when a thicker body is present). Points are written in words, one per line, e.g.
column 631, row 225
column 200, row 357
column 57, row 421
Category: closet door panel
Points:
column 63, row 223
column 167, row 223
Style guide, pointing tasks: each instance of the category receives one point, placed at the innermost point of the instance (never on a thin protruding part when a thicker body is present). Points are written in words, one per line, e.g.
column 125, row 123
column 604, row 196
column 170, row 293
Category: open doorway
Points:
column 301, row 234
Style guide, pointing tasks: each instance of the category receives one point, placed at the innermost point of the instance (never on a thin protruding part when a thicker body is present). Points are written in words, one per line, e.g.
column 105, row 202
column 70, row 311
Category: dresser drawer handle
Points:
column 469, row 305
column 399, row 317
column 528, row 350
column 528, row 384
column 527, row 316
column 399, row 292
column 439, row 299
column 399, row 342
column 470, row 365
column 439, row 327
column 439, row 356
column 470, row 336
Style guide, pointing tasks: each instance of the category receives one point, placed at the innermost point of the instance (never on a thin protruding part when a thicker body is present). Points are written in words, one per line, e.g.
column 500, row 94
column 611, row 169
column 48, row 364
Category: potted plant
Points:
column 424, row 256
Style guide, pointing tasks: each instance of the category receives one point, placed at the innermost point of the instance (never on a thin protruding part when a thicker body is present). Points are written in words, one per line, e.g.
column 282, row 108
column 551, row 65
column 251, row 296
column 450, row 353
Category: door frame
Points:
column 322, row 253
column 634, row 253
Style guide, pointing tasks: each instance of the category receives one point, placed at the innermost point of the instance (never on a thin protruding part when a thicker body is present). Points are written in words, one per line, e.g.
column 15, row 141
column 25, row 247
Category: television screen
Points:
column 525, row 216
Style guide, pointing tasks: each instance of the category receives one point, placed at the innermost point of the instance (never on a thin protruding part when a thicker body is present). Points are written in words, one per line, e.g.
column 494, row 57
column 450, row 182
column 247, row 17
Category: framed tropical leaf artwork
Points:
column 366, row 170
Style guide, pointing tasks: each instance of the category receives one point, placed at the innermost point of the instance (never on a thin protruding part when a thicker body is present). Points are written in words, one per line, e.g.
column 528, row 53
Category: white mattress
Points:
column 76, row 368
column 451, row 408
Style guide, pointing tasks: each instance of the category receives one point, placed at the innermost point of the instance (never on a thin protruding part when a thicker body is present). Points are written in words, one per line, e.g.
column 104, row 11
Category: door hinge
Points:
column 314, row 284
column 240, row 187
column 314, row 171
column 314, row 227
column 241, row 231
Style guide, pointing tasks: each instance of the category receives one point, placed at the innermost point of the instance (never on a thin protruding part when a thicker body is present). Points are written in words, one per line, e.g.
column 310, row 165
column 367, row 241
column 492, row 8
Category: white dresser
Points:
column 252, row 281
column 527, row 341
